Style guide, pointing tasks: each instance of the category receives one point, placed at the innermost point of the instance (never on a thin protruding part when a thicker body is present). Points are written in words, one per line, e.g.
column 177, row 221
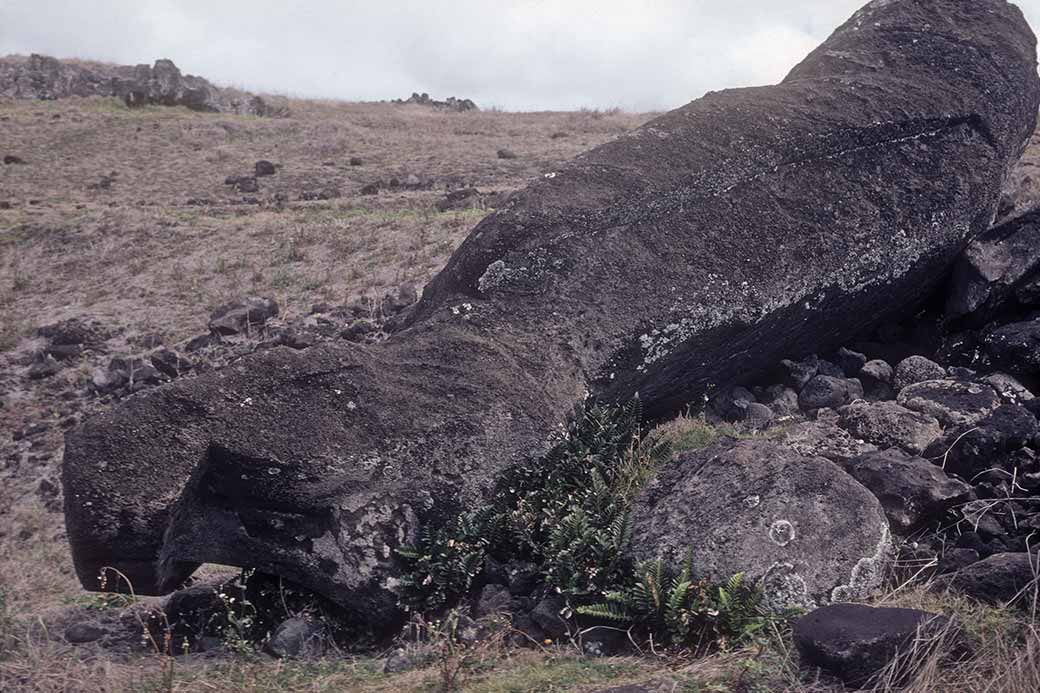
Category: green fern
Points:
column 675, row 608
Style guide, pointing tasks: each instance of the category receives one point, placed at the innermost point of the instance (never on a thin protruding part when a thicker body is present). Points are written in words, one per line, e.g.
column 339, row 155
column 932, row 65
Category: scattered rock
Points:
column 1015, row 348
column 912, row 490
column 972, row 448
column 357, row 161
column 825, row 439
column 797, row 374
column 506, row 154
column 242, row 316
column 952, row 402
column 547, row 615
column 265, row 168
column 877, row 378
column 494, row 599
column 916, row 369
column 850, row 362
column 829, row 392
column 11, row 160
column 170, row 363
column 1001, row 578
column 855, row 642
column 466, row 198
column 44, row 368
column 298, row 638
column 886, row 424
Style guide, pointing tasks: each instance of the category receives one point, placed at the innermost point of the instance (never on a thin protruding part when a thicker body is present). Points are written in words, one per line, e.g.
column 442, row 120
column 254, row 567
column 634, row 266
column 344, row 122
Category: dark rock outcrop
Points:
column 44, row 77
column 643, row 266
column 801, row 524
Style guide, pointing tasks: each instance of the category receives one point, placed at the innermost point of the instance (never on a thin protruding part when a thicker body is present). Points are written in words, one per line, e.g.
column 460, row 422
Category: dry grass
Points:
column 137, row 253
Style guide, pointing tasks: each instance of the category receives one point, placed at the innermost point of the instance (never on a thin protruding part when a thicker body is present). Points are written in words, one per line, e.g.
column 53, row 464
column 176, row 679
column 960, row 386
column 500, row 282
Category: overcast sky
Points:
column 513, row 54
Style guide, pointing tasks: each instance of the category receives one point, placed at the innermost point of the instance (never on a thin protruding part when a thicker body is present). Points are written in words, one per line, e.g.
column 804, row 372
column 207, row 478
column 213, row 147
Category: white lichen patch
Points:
column 781, row 533
column 869, row 571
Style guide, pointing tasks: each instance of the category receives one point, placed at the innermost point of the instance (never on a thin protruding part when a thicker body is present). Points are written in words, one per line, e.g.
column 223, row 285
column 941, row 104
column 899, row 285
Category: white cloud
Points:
column 517, row 54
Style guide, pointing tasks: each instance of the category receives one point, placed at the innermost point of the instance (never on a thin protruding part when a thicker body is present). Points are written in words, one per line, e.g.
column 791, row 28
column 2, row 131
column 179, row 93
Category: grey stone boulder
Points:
column 856, row 642
column 298, row 637
column 494, row 600
column 916, row 369
column 802, row 525
column 1003, row 578
column 887, row 424
column 829, row 392
column 912, row 490
column 782, row 401
column 825, row 439
column 643, row 266
column 731, row 404
column 877, row 377
column 952, row 402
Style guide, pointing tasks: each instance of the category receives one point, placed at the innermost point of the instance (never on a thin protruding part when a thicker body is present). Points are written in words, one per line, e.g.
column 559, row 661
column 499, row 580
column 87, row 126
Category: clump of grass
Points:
column 685, row 433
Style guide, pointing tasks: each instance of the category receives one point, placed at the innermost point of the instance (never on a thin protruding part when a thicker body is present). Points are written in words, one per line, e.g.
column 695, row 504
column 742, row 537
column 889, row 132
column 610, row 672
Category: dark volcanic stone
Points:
column 298, row 637
column 44, row 368
column 1015, row 348
column 695, row 251
column 1001, row 578
column 170, row 363
column 800, row 523
column 241, row 316
column 854, row 641
column 850, row 362
column 877, row 377
column 912, row 490
column 825, row 391
column 265, row 168
column 972, row 448
column 993, row 267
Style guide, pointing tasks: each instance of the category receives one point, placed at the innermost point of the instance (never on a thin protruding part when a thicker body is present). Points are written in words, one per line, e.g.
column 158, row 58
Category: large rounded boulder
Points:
column 803, row 526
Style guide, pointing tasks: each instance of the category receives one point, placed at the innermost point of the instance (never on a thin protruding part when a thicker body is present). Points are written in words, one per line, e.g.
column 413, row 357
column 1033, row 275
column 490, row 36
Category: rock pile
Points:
column 44, row 77
column 451, row 104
